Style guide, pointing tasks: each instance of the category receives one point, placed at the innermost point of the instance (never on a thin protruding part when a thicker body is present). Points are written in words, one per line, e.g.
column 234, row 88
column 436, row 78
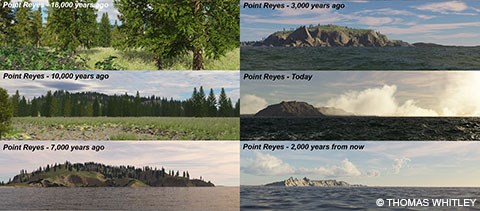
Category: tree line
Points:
column 148, row 175
column 91, row 104
column 167, row 28
column 63, row 29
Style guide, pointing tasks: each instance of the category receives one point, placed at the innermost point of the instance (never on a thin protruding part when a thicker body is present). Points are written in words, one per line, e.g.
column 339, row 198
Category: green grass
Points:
column 125, row 128
column 141, row 60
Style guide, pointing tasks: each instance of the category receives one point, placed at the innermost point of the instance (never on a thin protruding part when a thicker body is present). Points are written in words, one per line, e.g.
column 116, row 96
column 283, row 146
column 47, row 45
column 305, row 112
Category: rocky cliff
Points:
column 299, row 109
column 294, row 182
column 329, row 36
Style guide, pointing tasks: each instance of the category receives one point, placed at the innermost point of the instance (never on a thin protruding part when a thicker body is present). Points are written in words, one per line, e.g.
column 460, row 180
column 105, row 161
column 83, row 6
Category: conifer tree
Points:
column 211, row 104
column 6, row 23
column 24, row 25
column 105, row 34
column 37, row 27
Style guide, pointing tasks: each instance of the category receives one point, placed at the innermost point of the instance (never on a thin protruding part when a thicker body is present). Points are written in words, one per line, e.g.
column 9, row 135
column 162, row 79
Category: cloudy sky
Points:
column 381, row 93
column 443, row 22
column 199, row 158
column 434, row 164
column 176, row 84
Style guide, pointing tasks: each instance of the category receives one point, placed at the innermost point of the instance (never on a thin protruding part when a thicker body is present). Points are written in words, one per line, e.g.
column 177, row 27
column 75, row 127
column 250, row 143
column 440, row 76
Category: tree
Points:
column 6, row 112
column 15, row 103
column 71, row 27
column 105, row 34
column 96, row 107
column 6, row 23
column 224, row 106
column 171, row 28
column 24, row 25
column 211, row 104
column 37, row 27
column 46, row 108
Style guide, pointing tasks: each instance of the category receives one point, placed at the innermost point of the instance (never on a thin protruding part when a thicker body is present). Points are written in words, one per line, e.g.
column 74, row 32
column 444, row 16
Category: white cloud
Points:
column 269, row 165
column 423, row 28
column 391, row 12
column 265, row 164
column 378, row 102
column 251, row 104
column 399, row 163
column 444, row 7
column 346, row 169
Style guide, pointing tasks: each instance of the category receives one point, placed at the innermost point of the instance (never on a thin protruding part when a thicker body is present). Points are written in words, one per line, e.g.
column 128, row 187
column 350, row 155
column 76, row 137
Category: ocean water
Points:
column 361, row 128
column 151, row 198
column 359, row 58
column 358, row 198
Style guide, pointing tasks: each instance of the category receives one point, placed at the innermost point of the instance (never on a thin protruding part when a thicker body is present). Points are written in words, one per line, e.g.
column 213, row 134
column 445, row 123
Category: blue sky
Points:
column 176, row 84
column 431, row 164
column 381, row 93
column 442, row 22
column 199, row 158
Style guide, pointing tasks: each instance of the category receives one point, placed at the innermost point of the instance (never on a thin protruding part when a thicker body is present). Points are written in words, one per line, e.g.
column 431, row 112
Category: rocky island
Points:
column 305, row 182
column 329, row 36
column 299, row 109
column 92, row 174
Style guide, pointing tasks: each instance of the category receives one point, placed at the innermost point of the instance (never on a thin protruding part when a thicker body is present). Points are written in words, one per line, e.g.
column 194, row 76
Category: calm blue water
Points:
column 151, row 198
column 359, row 58
column 359, row 198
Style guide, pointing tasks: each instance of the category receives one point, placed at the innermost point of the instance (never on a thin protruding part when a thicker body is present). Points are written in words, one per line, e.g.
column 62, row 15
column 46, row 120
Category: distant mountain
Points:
column 300, row 109
column 423, row 44
column 290, row 109
column 294, row 182
column 99, row 175
column 329, row 36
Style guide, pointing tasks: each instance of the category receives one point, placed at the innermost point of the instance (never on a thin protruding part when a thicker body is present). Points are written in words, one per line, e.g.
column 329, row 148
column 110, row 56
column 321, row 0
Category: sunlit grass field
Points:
column 141, row 60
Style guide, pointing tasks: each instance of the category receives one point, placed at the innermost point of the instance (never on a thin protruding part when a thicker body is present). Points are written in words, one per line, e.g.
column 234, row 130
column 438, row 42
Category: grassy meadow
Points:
column 141, row 60
column 124, row 128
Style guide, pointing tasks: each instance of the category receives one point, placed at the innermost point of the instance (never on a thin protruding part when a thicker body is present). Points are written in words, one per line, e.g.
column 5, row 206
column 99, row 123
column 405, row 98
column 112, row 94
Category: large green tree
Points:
column 6, row 23
column 105, row 31
column 24, row 25
column 6, row 112
column 171, row 28
column 72, row 27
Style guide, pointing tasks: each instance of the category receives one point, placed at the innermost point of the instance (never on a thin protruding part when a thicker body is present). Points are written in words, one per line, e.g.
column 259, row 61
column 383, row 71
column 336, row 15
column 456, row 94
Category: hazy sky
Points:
column 434, row 164
column 176, row 84
column 199, row 158
column 110, row 9
column 443, row 22
column 382, row 93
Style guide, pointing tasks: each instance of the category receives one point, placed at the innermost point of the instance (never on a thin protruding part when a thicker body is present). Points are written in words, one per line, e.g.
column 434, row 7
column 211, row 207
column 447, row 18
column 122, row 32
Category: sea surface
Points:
column 151, row 198
column 358, row 198
column 361, row 128
column 359, row 58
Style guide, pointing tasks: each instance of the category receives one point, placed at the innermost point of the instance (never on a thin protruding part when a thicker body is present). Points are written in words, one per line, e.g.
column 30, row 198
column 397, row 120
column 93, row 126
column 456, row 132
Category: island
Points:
column 92, row 174
column 305, row 182
column 329, row 36
column 299, row 109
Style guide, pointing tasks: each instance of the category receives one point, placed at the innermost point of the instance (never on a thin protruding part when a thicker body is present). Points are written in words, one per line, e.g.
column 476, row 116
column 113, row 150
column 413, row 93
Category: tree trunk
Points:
column 158, row 62
column 197, row 59
column 197, row 49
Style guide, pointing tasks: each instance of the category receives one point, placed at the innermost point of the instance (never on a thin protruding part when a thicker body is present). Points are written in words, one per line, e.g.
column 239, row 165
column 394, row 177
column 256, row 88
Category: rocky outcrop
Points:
column 294, row 182
column 299, row 109
column 290, row 109
column 329, row 36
